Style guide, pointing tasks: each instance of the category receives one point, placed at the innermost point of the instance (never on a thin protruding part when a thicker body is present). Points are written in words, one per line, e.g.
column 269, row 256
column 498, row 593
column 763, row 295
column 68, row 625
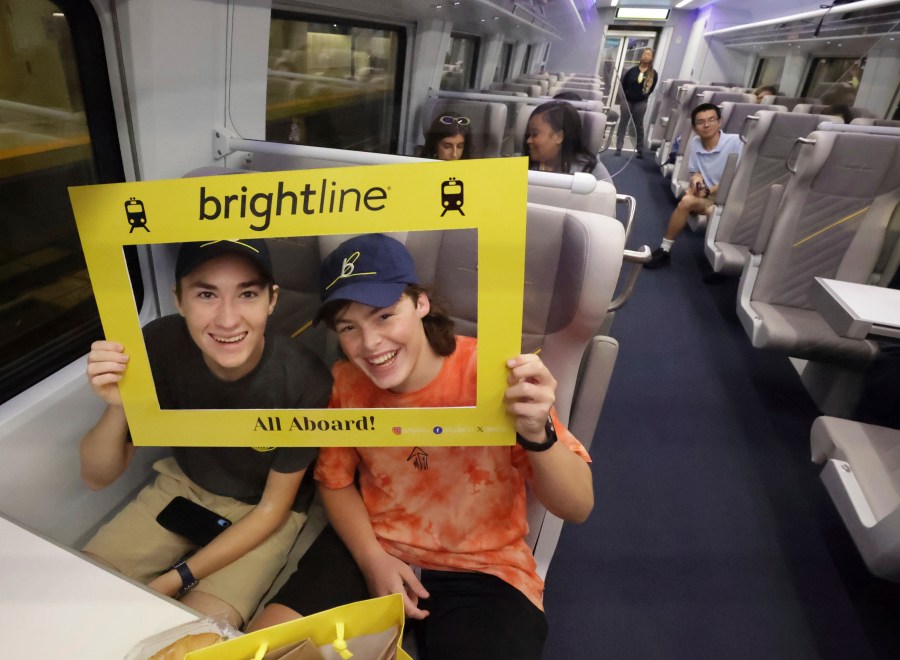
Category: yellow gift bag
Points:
column 365, row 630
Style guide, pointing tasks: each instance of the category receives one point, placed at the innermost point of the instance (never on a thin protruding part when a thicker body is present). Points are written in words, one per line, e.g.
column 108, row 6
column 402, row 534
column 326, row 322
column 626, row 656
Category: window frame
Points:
column 91, row 64
column 400, row 72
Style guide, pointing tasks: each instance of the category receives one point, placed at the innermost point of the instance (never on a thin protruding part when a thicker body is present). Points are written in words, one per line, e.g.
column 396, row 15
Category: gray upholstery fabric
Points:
column 593, row 127
column 762, row 165
column 663, row 102
column 601, row 200
column 530, row 89
column 831, row 223
column 803, row 333
column 791, row 101
column 841, row 176
column 873, row 453
column 720, row 97
column 734, row 257
column 734, row 115
column 871, row 121
column 543, row 83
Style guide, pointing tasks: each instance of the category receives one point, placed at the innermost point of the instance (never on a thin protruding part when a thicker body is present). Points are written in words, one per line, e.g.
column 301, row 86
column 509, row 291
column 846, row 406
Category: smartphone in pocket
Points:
column 194, row 522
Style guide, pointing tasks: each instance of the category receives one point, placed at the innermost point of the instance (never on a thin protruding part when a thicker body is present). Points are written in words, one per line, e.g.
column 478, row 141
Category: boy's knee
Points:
column 688, row 202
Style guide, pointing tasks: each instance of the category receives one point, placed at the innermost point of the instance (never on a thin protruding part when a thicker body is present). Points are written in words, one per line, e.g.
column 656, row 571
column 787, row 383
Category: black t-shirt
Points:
column 634, row 90
column 287, row 376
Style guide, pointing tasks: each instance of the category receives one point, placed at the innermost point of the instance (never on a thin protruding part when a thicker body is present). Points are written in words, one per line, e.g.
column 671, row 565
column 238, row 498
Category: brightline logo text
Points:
column 326, row 199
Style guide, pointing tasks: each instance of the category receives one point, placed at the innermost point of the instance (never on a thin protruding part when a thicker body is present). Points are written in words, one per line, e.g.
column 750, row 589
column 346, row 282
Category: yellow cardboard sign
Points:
column 488, row 196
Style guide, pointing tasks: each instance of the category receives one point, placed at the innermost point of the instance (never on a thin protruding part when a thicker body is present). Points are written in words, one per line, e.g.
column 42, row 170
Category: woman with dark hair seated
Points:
column 555, row 144
column 446, row 137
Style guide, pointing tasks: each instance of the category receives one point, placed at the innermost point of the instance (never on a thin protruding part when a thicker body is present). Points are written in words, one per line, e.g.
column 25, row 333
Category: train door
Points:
column 620, row 52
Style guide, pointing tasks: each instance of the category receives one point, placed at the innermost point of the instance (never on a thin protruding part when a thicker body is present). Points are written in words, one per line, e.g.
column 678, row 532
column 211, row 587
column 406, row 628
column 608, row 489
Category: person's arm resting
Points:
column 385, row 574
column 243, row 536
column 561, row 479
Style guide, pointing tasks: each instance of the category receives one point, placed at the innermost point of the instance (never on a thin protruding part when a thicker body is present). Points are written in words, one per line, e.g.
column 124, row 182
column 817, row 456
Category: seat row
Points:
column 812, row 197
column 572, row 263
column 499, row 120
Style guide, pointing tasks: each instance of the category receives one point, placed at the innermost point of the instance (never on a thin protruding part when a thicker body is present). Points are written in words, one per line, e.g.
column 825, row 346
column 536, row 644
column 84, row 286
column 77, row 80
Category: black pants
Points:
column 472, row 615
column 634, row 112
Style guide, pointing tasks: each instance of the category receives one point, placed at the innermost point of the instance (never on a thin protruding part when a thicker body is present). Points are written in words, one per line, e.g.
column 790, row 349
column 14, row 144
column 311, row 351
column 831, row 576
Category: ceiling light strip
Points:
column 840, row 9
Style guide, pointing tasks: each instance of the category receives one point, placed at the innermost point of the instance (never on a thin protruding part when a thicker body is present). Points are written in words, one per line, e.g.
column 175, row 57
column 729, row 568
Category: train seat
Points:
column 585, row 94
column 769, row 140
column 543, row 83
column 734, row 115
column 601, row 200
column 810, row 108
column 517, row 115
column 488, row 122
column 612, row 123
column 862, row 475
column 664, row 98
column 531, row 89
column 593, row 130
column 872, row 121
column 718, row 97
column 831, row 222
column 790, row 101
column 582, row 85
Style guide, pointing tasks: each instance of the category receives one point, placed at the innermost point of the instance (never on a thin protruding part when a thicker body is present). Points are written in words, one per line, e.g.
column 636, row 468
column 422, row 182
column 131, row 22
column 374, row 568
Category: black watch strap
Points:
column 188, row 581
column 540, row 446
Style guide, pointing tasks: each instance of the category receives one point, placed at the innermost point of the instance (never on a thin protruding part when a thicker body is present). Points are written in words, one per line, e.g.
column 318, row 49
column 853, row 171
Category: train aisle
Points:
column 712, row 535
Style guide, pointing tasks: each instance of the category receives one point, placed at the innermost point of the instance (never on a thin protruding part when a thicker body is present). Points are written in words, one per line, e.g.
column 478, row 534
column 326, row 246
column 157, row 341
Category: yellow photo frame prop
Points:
column 489, row 196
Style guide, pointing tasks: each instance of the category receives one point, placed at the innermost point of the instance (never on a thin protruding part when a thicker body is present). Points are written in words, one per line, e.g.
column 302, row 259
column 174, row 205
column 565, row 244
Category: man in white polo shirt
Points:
column 710, row 150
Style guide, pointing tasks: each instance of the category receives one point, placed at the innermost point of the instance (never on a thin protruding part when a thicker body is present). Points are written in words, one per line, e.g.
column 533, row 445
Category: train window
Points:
column 325, row 74
column 768, row 71
column 57, row 129
column 834, row 80
column 501, row 73
column 460, row 63
column 527, row 59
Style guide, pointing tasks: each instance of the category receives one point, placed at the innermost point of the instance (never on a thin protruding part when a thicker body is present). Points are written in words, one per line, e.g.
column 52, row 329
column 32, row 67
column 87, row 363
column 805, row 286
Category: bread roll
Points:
column 181, row 647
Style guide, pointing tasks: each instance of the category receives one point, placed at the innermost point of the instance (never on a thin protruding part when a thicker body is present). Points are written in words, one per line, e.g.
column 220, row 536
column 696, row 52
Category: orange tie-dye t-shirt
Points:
column 444, row 508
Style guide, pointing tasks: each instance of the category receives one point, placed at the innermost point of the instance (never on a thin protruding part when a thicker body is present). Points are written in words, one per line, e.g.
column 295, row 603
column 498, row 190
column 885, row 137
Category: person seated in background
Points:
column 457, row 514
column 555, row 144
column 446, row 137
column 762, row 92
column 567, row 96
column 841, row 110
column 710, row 148
column 213, row 354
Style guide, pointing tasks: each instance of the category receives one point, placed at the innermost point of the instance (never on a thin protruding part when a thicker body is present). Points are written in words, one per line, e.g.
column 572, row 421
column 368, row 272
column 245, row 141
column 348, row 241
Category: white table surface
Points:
column 54, row 603
column 869, row 309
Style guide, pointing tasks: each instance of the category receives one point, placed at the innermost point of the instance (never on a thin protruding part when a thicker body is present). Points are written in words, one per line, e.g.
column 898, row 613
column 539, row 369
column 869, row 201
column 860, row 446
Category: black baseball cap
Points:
column 372, row 269
column 192, row 255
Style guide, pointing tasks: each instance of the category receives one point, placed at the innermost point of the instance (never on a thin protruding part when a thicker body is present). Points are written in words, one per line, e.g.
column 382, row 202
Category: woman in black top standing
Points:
column 638, row 84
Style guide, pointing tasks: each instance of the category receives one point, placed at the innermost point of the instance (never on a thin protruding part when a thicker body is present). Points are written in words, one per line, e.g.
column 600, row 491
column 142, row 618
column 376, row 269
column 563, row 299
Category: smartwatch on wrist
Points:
column 188, row 581
column 528, row 445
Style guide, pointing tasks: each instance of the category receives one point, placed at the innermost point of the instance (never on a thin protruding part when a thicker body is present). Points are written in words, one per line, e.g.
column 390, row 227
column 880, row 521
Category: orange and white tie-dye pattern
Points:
column 444, row 508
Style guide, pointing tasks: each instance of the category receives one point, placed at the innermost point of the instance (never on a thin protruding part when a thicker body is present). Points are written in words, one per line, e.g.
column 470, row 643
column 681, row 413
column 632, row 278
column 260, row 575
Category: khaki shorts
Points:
column 135, row 544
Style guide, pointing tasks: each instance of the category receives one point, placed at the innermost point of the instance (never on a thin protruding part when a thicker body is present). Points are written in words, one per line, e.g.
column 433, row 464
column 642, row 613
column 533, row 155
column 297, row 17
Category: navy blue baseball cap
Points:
column 192, row 255
column 372, row 269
